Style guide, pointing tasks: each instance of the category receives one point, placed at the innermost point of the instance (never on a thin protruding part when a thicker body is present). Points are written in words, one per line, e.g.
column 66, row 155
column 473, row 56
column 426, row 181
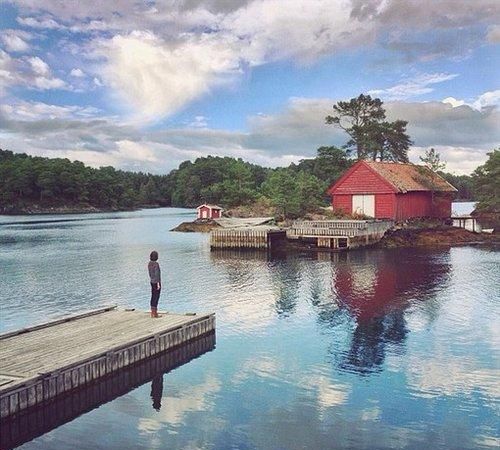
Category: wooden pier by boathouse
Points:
column 247, row 238
column 339, row 234
column 40, row 363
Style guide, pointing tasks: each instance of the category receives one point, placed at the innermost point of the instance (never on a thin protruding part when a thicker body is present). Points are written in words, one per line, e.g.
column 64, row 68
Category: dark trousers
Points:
column 155, row 295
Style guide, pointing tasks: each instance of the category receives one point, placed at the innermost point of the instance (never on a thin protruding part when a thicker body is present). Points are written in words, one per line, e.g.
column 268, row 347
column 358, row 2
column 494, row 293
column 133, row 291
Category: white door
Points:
column 363, row 204
column 204, row 214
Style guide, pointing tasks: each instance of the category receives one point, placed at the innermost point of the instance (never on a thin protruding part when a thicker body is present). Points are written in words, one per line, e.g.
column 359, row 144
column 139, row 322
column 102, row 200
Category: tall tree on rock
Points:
column 372, row 137
column 432, row 160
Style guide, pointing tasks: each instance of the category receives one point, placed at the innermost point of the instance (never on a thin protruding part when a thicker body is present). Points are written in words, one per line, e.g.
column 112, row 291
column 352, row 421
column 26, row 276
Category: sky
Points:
column 145, row 85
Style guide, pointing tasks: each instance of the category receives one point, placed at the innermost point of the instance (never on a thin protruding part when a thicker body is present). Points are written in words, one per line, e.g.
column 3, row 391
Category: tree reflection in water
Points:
column 376, row 288
column 365, row 293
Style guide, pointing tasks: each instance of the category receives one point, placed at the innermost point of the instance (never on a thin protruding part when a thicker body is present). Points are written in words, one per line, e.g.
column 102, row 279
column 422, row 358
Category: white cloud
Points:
column 158, row 78
column 43, row 78
column 462, row 135
column 439, row 124
column 487, row 100
column 41, row 23
column 78, row 73
column 459, row 160
column 31, row 72
column 453, row 101
column 191, row 47
column 134, row 151
column 271, row 32
column 416, row 86
column 32, row 111
column 15, row 40
column 7, row 71
column 199, row 122
column 39, row 66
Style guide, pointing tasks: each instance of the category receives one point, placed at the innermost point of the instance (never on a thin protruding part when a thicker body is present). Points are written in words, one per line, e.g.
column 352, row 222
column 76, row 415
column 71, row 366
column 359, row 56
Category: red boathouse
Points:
column 206, row 211
column 394, row 191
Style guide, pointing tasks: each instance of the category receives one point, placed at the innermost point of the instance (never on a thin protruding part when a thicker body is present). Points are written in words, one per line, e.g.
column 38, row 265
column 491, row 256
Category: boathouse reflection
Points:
column 40, row 420
column 375, row 289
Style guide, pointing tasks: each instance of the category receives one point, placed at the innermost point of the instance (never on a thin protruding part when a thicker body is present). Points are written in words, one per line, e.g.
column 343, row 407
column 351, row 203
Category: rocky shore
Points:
column 197, row 226
column 435, row 236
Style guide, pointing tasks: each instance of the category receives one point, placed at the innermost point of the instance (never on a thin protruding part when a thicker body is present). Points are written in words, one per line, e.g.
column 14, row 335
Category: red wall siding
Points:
column 201, row 211
column 363, row 180
column 342, row 202
column 442, row 205
column 385, row 206
column 413, row 204
column 214, row 215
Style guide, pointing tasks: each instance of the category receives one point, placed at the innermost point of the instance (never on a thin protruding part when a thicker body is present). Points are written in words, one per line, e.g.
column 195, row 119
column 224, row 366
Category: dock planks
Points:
column 40, row 363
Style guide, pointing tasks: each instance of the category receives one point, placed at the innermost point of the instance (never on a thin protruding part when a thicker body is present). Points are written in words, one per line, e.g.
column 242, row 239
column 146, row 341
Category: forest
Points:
column 53, row 182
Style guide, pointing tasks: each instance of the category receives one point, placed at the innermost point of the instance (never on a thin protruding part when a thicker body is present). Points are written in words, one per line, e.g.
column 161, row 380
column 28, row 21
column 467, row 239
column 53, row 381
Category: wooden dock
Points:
column 40, row 363
column 339, row 234
column 246, row 238
column 467, row 222
column 18, row 429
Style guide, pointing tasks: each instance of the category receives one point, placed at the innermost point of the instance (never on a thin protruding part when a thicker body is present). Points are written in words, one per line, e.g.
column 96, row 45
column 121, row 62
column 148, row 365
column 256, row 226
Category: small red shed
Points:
column 207, row 211
column 395, row 191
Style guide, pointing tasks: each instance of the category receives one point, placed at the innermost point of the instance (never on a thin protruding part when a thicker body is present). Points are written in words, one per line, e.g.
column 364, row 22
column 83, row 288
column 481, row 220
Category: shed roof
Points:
column 207, row 205
column 410, row 177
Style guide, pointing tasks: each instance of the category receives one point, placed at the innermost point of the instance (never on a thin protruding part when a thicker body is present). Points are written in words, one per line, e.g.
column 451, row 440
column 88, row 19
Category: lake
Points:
column 371, row 349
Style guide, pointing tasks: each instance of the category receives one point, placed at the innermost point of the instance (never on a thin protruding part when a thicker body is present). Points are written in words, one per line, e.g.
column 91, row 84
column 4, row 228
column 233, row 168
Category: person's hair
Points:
column 153, row 256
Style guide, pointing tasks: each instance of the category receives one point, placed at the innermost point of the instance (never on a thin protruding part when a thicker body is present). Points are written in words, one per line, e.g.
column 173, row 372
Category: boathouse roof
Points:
column 403, row 177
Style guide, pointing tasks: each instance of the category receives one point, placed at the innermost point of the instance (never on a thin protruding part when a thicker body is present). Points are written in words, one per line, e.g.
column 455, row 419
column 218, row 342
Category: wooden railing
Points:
column 337, row 228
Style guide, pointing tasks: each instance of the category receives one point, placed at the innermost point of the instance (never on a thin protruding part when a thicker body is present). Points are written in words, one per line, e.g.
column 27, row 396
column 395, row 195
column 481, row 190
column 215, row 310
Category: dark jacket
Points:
column 154, row 272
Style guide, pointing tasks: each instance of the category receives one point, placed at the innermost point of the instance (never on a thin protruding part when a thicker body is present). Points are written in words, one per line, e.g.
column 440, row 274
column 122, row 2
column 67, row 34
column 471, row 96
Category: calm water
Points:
column 369, row 349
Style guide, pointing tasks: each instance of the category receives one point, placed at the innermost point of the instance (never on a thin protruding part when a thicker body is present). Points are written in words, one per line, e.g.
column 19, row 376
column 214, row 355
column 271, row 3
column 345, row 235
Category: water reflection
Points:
column 294, row 357
column 376, row 289
column 39, row 421
column 157, row 391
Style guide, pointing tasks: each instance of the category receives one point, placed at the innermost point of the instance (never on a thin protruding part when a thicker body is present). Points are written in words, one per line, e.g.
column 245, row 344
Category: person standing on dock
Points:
column 155, row 279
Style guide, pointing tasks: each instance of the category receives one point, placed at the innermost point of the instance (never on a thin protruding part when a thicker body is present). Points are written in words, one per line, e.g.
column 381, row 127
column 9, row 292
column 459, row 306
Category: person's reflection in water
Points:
column 157, row 391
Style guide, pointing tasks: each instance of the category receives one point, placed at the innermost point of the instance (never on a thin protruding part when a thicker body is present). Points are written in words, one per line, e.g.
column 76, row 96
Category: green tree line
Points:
column 30, row 180
column 54, row 182
column 27, row 180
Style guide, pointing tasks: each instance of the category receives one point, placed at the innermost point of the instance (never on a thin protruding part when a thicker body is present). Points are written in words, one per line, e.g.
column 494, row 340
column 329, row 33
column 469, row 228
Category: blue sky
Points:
column 146, row 85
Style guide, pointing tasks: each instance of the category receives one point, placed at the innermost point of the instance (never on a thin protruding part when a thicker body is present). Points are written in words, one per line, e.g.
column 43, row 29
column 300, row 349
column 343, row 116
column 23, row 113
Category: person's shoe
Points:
column 154, row 312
